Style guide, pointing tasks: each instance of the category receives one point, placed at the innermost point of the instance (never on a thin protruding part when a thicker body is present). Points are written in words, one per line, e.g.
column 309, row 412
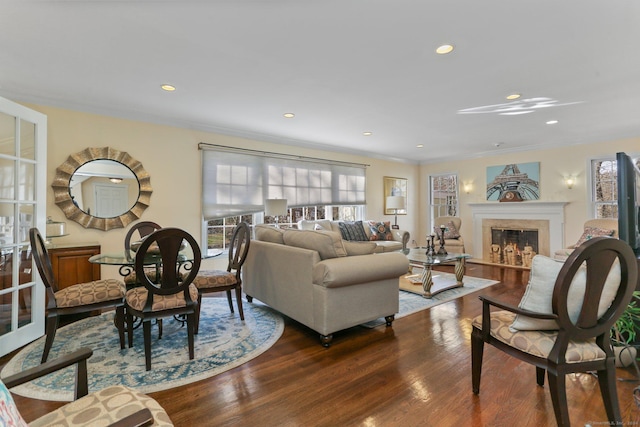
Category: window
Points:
column 236, row 182
column 604, row 194
column 444, row 195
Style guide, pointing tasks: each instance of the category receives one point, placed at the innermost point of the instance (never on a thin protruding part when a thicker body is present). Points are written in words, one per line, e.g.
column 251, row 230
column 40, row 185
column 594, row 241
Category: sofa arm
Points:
column 346, row 271
column 401, row 236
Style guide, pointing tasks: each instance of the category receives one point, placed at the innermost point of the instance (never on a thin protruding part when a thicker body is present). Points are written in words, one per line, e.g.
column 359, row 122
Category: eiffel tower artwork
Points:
column 514, row 182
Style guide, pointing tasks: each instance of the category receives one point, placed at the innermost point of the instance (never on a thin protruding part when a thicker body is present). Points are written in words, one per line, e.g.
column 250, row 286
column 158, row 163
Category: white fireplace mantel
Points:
column 551, row 211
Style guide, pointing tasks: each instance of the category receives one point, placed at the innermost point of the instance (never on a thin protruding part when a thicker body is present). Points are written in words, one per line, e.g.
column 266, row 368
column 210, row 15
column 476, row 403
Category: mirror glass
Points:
column 104, row 188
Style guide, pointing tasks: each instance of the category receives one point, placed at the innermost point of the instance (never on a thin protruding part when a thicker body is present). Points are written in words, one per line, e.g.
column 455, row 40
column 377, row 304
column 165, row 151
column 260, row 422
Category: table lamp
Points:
column 275, row 207
column 395, row 202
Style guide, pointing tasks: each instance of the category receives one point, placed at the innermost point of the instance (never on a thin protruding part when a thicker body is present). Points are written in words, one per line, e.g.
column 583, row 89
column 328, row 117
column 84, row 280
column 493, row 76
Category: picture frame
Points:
column 514, row 182
column 394, row 186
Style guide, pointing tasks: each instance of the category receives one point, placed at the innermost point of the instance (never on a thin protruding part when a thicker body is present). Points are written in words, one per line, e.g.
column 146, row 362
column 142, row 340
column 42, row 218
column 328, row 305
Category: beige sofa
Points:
column 320, row 281
column 399, row 238
column 592, row 228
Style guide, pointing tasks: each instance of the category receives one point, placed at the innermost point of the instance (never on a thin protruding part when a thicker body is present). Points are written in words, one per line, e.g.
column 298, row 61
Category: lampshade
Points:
column 275, row 207
column 395, row 202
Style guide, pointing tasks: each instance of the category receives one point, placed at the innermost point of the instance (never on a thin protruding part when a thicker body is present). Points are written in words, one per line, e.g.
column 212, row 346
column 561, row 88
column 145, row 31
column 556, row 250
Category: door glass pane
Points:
column 6, row 268
column 7, row 135
column 27, row 181
column 7, row 178
column 6, row 223
column 26, row 222
column 25, row 314
column 27, row 140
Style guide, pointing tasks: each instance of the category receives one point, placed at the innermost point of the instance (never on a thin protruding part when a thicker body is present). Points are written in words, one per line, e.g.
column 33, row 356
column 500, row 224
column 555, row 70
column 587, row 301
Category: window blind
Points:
column 235, row 182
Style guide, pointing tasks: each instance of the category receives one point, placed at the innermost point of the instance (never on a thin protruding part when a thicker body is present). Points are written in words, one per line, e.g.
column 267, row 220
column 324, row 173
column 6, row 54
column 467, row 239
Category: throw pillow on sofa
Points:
column 328, row 244
column 380, row 230
column 591, row 232
column 353, row 231
column 450, row 231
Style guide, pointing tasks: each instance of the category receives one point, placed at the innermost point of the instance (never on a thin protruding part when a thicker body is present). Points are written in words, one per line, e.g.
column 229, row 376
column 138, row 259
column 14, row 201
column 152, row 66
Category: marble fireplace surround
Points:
column 546, row 217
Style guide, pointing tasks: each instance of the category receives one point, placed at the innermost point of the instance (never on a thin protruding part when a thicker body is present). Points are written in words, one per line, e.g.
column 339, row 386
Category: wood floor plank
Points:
column 416, row 373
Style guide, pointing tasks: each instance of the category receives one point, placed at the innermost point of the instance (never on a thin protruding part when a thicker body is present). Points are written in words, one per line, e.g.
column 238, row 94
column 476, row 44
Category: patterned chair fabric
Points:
column 90, row 293
column 137, row 298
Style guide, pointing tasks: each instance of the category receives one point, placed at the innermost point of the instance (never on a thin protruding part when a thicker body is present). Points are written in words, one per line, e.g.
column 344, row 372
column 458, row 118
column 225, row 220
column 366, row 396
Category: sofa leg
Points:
column 249, row 298
column 390, row 319
column 326, row 340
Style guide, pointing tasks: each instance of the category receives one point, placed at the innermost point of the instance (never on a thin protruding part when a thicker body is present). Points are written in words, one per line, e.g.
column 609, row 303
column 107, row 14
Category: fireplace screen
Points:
column 513, row 246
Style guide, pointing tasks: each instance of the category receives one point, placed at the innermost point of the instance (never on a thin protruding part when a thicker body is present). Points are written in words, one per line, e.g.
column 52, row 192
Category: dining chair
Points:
column 563, row 322
column 74, row 299
column 140, row 230
column 173, row 294
column 208, row 281
column 115, row 406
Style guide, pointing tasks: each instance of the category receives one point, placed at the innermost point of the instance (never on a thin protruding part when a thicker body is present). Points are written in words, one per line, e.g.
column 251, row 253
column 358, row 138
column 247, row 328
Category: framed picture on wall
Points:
column 514, row 182
column 395, row 187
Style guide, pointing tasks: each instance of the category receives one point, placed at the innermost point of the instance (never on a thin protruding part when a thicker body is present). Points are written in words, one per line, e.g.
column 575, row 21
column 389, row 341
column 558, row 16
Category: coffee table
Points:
column 418, row 258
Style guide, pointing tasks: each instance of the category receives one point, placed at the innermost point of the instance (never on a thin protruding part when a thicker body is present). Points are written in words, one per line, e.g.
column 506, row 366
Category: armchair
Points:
column 453, row 241
column 100, row 408
column 592, row 228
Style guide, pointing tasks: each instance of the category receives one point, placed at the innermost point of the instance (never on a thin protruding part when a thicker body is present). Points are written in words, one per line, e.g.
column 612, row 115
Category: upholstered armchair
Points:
column 607, row 227
column 453, row 241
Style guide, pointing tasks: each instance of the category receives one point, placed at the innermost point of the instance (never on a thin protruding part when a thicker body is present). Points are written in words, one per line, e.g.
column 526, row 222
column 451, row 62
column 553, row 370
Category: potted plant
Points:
column 624, row 332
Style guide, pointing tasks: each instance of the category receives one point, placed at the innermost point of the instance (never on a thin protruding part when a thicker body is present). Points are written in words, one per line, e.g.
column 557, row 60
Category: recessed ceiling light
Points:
column 552, row 122
column 168, row 88
column 513, row 96
column 367, row 133
column 444, row 49
column 420, row 146
column 289, row 115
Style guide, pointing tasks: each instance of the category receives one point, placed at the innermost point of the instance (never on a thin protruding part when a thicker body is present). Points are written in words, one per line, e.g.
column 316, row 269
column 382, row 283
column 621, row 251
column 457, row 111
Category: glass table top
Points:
column 419, row 255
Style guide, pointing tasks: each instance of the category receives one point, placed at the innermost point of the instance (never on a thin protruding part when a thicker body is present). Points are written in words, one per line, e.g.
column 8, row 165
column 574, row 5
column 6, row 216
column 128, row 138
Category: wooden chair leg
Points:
column 146, row 327
column 239, row 302
column 540, row 376
column 229, row 300
column 190, row 332
column 129, row 317
column 120, row 325
column 51, row 328
column 197, row 327
column 607, row 382
column 557, row 388
column 477, row 351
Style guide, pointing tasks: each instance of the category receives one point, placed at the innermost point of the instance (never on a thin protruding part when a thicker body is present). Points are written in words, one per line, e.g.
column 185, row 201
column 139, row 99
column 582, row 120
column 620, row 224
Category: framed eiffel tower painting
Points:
column 515, row 182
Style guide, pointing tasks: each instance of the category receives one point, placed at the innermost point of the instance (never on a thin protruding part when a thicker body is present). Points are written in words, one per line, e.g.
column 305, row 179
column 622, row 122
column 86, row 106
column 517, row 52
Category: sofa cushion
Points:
column 360, row 248
column 267, row 233
column 539, row 292
column 591, row 232
column 353, row 230
column 450, row 231
column 328, row 244
column 380, row 230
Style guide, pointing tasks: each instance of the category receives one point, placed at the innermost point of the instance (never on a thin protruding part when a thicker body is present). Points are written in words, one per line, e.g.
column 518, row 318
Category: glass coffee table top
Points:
column 418, row 258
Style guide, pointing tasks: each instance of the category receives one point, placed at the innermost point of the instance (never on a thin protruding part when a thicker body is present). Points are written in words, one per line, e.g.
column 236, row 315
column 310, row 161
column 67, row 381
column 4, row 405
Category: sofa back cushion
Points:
column 328, row 244
column 318, row 224
column 360, row 248
column 268, row 233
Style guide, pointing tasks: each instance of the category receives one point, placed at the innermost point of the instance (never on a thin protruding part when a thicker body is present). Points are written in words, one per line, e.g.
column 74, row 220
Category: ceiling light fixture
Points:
column 513, row 96
column 289, row 115
column 115, row 180
column 168, row 88
column 367, row 133
column 444, row 49
column 552, row 122
column 420, row 146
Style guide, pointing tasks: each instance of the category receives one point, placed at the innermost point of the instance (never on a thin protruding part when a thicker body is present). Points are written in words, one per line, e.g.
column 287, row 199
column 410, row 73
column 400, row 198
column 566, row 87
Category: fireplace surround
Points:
column 545, row 217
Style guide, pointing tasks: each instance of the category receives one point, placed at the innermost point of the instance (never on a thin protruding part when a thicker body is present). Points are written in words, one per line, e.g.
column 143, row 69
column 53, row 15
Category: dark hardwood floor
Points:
column 416, row 373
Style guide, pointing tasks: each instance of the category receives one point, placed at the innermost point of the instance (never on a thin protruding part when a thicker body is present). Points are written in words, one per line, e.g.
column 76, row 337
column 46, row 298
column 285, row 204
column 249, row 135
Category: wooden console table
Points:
column 70, row 263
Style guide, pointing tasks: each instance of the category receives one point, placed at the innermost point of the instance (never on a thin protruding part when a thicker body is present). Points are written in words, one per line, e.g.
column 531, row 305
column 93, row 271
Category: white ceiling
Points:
column 342, row 66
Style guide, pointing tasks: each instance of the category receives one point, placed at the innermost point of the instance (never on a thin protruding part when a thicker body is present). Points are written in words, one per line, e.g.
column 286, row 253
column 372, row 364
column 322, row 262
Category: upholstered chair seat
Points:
column 208, row 279
column 90, row 293
column 137, row 298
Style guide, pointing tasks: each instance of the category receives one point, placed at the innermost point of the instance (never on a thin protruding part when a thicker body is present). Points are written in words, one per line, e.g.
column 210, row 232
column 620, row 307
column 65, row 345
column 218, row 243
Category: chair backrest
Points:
column 144, row 228
column 239, row 247
column 177, row 274
column 43, row 262
column 597, row 256
column 443, row 220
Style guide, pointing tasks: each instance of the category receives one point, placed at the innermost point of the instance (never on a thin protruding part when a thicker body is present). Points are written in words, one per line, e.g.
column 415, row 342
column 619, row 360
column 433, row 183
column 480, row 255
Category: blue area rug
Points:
column 412, row 302
column 224, row 342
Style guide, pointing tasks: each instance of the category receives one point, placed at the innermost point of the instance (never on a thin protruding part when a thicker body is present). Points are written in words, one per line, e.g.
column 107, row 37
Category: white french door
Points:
column 23, row 166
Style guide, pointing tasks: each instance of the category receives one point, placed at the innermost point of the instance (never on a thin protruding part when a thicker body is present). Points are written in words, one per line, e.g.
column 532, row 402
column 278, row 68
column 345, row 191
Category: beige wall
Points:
column 554, row 165
column 170, row 155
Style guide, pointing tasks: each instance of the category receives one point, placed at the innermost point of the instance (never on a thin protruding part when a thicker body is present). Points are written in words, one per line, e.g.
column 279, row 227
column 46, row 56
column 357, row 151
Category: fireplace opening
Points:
column 515, row 247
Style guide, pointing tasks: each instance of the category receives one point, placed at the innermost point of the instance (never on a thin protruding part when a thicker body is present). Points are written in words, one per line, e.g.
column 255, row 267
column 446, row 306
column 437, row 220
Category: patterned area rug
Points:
column 411, row 302
column 224, row 342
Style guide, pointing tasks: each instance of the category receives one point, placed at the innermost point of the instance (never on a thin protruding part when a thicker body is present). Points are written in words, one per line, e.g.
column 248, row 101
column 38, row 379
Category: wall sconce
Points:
column 569, row 181
column 467, row 186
